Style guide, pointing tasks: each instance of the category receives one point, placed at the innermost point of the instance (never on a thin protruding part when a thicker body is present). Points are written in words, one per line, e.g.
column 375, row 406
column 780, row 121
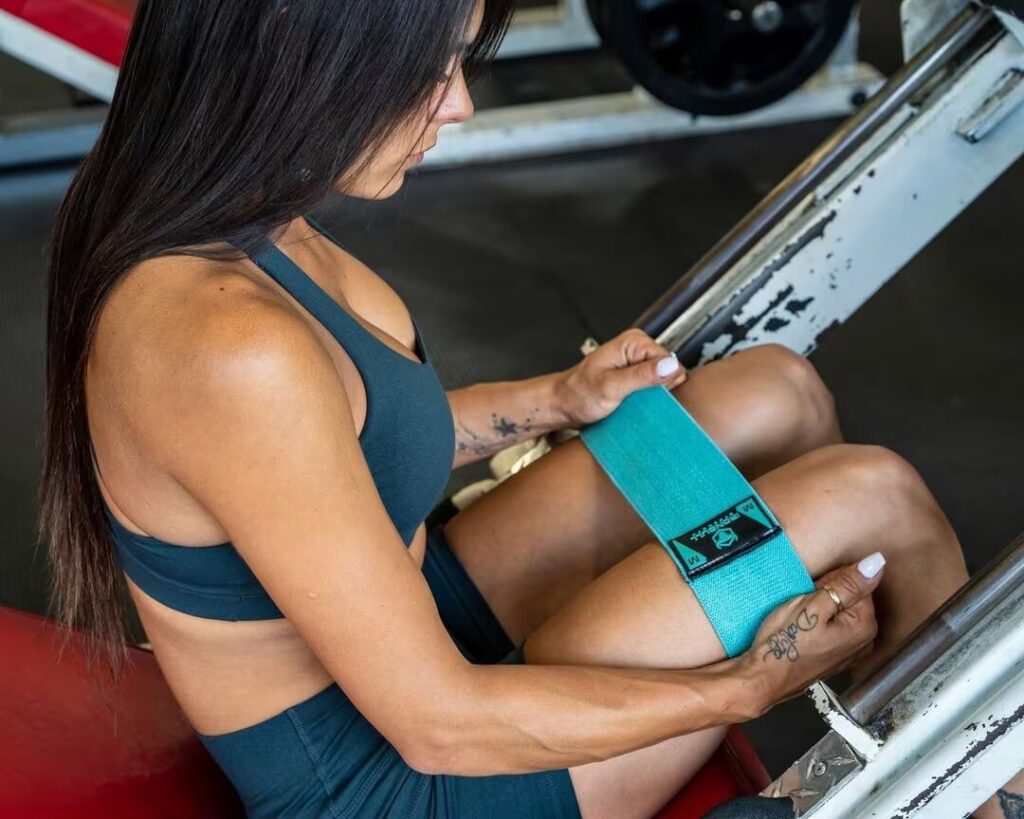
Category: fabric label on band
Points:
column 723, row 538
column 726, row 536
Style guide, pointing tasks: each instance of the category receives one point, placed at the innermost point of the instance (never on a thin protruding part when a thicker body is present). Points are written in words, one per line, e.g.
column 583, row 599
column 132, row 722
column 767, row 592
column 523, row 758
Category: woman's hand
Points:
column 595, row 387
column 809, row 638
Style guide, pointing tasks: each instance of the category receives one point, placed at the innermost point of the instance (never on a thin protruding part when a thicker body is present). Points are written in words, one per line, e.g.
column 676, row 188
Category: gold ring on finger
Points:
column 835, row 598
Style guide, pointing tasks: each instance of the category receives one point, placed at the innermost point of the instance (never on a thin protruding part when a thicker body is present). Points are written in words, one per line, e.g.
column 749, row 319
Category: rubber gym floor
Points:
column 508, row 267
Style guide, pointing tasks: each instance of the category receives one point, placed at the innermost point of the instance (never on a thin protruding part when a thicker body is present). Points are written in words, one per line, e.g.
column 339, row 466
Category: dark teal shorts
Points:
column 321, row 758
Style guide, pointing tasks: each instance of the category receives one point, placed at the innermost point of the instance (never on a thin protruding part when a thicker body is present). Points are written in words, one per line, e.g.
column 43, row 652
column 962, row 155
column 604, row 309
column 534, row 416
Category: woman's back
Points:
column 230, row 674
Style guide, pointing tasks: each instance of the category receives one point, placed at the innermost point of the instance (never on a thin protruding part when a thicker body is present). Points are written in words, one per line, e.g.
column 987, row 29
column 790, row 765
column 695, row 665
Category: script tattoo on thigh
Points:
column 1012, row 804
column 782, row 645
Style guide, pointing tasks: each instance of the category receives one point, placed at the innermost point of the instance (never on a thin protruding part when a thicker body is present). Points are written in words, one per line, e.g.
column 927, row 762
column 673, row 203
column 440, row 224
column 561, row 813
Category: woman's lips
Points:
column 415, row 159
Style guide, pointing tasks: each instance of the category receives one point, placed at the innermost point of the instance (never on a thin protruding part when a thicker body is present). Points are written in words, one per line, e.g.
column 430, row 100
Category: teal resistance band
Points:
column 723, row 538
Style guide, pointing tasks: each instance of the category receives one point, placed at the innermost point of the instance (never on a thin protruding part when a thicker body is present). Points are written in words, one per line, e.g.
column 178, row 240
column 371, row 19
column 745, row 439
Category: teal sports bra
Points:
column 408, row 440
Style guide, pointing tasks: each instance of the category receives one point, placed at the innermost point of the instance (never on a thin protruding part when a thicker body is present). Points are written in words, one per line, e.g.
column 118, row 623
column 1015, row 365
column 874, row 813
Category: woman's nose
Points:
column 457, row 105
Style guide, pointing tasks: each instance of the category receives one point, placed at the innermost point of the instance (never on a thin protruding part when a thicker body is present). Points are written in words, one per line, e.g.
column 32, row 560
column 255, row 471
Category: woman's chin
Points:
column 381, row 189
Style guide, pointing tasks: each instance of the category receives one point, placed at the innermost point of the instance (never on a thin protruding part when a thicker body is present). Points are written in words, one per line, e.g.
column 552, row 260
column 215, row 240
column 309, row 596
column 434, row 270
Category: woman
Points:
column 243, row 419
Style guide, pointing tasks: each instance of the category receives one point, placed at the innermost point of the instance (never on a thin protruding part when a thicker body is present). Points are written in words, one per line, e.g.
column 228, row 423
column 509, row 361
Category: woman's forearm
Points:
column 490, row 417
column 514, row 719
column 492, row 719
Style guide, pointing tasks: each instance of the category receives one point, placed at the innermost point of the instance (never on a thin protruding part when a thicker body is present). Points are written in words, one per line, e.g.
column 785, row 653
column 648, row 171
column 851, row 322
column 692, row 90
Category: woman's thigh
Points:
column 544, row 534
column 833, row 511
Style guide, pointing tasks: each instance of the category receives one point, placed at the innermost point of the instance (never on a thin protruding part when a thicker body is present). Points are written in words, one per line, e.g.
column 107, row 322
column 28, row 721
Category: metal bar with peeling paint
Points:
column 946, row 742
column 884, row 205
column 948, row 707
column 813, row 171
column 861, row 207
column 962, row 612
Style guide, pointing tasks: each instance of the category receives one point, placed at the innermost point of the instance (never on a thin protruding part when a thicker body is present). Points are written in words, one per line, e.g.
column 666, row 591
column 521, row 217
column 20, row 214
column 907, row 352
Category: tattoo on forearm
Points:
column 502, row 430
column 1012, row 804
column 507, row 428
column 467, row 441
column 782, row 645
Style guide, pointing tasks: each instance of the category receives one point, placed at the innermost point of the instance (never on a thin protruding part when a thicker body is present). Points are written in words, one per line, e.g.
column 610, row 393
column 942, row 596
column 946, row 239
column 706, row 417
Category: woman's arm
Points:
column 259, row 429
column 490, row 417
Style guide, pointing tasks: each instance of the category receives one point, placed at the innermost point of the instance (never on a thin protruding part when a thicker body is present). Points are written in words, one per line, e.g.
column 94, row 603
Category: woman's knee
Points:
column 890, row 497
column 784, row 398
column 879, row 471
column 804, row 392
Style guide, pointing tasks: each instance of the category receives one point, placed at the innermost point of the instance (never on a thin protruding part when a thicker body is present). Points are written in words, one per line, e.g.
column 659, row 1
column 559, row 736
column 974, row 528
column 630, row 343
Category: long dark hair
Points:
column 230, row 119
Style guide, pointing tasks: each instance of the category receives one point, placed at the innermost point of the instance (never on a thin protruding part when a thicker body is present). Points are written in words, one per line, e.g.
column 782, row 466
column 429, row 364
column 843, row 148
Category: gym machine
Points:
column 943, row 128
column 695, row 66
column 939, row 726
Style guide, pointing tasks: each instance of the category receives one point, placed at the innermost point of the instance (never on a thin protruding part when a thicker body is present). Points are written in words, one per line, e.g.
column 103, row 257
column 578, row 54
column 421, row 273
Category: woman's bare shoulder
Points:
column 174, row 304
column 175, row 321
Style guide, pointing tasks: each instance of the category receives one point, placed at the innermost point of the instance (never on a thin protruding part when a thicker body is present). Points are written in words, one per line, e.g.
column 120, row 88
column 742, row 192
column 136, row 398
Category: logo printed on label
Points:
column 726, row 535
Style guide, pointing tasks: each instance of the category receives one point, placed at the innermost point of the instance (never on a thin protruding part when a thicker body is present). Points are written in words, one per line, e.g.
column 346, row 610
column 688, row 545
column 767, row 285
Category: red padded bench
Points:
column 99, row 27
column 65, row 753
column 735, row 770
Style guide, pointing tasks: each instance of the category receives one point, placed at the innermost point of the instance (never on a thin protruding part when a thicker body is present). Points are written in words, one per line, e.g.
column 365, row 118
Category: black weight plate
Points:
column 707, row 56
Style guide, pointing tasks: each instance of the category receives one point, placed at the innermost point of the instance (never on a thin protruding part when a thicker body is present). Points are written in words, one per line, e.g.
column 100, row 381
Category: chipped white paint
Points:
column 953, row 737
column 887, row 203
column 837, row 718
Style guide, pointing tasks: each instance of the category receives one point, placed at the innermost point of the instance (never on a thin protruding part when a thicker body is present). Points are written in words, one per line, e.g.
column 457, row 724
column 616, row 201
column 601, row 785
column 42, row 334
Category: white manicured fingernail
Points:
column 871, row 565
column 667, row 366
